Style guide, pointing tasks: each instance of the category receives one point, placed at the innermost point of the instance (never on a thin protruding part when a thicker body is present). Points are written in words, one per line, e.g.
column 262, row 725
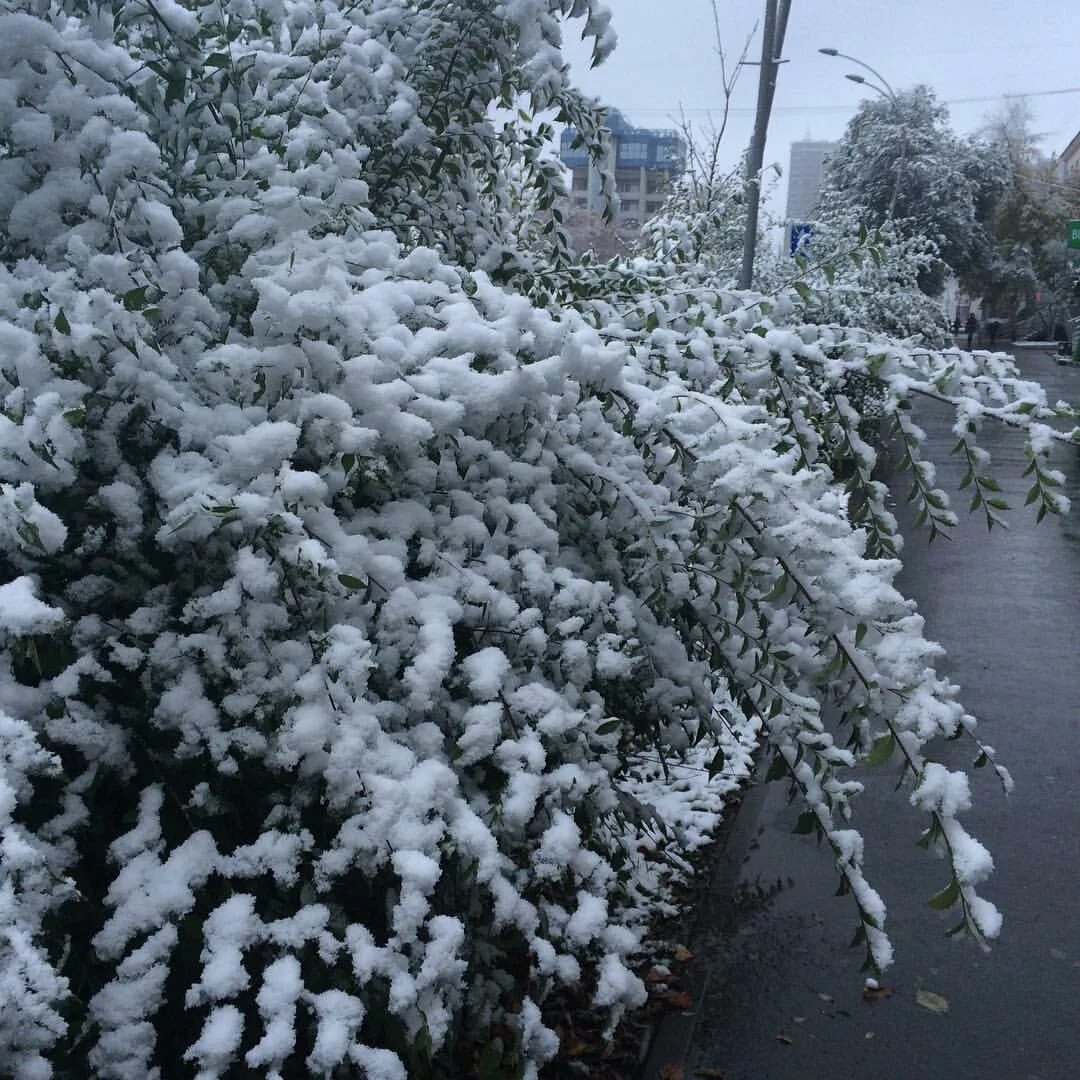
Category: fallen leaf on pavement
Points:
column 707, row 1073
column 671, row 1072
column 682, row 954
column 679, row 999
column 787, row 1040
column 825, row 997
column 934, row 1003
column 877, row 993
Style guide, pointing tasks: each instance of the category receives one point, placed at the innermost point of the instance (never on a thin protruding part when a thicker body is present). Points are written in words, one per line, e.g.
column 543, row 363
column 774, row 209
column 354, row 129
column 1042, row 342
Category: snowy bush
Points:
column 868, row 279
column 354, row 562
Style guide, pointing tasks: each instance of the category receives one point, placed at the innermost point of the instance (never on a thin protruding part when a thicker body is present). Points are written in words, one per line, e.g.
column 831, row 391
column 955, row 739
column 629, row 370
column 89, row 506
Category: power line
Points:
column 675, row 110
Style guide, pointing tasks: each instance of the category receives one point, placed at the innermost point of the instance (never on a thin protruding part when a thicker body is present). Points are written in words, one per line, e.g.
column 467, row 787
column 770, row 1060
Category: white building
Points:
column 1069, row 162
column 805, row 175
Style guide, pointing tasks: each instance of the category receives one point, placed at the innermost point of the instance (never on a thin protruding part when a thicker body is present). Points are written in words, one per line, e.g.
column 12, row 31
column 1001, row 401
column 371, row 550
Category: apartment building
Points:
column 1069, row 162
column 806, row 173
column 645, row 161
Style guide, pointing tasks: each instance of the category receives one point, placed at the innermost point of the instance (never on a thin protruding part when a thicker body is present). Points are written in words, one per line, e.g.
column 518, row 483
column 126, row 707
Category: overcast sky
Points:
column 964, row 49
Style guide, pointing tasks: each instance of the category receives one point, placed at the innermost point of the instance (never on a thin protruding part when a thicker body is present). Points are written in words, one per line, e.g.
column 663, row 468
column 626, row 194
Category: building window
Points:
column 668, row 154
column 627, row 187
column 633, row 151
column 581, row 181
column 653, row 206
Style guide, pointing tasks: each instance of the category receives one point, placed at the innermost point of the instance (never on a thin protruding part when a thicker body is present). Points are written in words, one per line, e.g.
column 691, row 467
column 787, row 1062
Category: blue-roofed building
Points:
column 645, row 162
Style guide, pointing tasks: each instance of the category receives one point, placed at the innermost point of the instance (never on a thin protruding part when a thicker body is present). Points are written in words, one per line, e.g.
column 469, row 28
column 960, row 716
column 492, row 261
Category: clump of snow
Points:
column 22, row 613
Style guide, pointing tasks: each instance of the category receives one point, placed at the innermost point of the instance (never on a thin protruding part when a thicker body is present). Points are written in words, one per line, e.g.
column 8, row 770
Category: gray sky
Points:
column 964, row 49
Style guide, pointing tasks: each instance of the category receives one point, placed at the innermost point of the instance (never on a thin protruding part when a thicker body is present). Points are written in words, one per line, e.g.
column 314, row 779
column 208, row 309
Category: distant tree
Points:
column 1029, row 279
column 899, row 159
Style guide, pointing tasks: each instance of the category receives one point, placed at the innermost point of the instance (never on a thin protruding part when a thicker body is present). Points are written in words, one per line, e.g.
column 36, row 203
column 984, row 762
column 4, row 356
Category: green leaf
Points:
column 778, row 589
column 351, row 582
column 947, row 897
column 490, row 1065
column 716, row 764
column 804, row 291
column 218, row 60
column 61, row 323
column 997, row 504
column 174, row 90
column 348, row 462
column 778, row 769
column 30, row 534
column 135, row 299
column 1032, row 495
column 75, row 417
column 981, row 761
column 882, row 750
column 806, row 824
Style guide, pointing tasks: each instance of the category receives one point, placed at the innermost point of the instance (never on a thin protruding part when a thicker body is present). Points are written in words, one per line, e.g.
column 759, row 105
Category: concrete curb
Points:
column 674, row 1033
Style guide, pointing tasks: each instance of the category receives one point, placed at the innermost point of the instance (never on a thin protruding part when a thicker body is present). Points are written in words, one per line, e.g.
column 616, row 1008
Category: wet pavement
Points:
column 781, row 994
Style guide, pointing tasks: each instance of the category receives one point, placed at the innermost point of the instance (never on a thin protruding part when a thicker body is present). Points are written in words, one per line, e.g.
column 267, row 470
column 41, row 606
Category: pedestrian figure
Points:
column 992, row 329
column 970, row 327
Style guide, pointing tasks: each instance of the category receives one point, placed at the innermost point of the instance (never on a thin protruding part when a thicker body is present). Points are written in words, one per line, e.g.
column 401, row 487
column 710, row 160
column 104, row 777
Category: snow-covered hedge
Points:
column 346, row 588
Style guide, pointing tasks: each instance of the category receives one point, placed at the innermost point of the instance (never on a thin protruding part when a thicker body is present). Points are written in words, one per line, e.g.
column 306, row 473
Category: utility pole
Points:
column 772, row 43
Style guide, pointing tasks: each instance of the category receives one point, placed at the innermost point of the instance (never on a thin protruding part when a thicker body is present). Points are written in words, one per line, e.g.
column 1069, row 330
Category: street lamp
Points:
column 862, row 81
column 889, row 94
column 855, row 60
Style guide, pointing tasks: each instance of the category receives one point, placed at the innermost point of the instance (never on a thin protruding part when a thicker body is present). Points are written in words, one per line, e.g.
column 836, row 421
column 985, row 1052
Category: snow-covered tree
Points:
column 1029, row 280
column 867, row 277
column 357, row 564
column 847, row 274
column 899, row 160
column 701, row 223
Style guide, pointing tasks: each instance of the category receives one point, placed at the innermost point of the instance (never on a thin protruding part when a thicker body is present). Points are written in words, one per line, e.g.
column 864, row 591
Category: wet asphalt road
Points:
column 783, row 997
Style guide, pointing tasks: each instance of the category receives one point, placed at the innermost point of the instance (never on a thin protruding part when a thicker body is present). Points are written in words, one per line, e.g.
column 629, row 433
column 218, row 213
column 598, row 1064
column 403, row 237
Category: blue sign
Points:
column 801, row 232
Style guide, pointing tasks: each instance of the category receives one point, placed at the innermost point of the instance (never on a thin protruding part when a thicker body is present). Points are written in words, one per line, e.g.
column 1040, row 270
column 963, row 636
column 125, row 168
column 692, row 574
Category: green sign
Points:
column 1073, row 235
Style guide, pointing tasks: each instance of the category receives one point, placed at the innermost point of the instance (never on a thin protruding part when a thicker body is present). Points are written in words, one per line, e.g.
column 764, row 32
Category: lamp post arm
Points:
column 854, row 59
column 873, row 71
